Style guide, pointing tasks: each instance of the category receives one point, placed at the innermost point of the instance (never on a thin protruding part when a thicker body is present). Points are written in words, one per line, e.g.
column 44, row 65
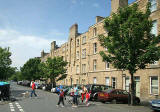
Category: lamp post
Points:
column 71, row 79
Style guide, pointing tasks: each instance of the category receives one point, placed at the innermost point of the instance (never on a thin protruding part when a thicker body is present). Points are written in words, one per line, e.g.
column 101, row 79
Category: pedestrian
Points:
column 83, row 93
column 87, row 98
column 61, row 98
column 75, row 101
column 33, row 89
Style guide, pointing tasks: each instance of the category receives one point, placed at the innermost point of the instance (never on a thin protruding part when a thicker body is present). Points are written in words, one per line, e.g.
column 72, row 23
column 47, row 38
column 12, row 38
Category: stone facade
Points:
column 86, row 65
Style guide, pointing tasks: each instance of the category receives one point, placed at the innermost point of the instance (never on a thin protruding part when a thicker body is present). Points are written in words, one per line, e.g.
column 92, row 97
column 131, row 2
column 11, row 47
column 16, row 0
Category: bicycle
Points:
column 69, row 99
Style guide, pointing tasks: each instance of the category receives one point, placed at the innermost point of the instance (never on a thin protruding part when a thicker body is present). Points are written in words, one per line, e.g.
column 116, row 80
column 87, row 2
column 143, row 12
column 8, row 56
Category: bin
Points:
column 4, row 91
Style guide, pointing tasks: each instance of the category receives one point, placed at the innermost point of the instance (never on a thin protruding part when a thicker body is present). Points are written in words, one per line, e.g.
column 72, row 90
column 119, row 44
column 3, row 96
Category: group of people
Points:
column 75, row 94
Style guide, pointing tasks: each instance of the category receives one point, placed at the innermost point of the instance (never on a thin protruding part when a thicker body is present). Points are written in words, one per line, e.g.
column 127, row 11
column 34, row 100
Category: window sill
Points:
column 83, row 43
column 95, row 53
column 154, row 94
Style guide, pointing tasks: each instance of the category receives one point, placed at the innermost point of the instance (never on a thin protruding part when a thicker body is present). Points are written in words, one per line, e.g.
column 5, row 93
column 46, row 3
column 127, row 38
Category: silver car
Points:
column 155, row 105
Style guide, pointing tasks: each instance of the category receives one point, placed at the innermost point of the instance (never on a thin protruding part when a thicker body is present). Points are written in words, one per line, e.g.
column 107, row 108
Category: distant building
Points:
column 86, row 65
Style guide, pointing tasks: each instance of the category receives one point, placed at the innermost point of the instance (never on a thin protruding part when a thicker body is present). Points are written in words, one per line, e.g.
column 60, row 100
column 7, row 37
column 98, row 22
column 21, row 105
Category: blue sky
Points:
column 29, row 26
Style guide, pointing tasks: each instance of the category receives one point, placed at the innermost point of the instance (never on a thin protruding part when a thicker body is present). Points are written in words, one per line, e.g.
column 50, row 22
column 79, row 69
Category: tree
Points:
column 5, row 62
column 17, row 76
column 10, row 72
column 130, row 44
column 54, row 68
column 31, row 70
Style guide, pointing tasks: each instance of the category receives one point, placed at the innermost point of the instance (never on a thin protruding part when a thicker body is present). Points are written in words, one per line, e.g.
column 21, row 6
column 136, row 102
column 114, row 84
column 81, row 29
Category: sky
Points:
column 29, row 26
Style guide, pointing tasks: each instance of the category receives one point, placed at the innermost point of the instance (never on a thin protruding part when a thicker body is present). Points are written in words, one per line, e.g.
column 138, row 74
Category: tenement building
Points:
column 85, row 65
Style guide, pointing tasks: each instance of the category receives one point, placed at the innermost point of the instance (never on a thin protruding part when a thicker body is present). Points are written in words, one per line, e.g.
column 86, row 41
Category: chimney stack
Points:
column 115, row 4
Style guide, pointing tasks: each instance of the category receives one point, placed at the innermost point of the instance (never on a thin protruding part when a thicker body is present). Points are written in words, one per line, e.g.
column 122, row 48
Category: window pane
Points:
column 94, row 80
column 154, row 81
column 107, row 81
column 154, row 90
column 154, row 84
column 153, row 5
column 154, row 28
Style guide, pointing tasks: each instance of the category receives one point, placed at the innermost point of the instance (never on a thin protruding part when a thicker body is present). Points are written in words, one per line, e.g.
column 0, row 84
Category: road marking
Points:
column 11, row 107
column 12, row 110
column 19, row 107
column 21, row 110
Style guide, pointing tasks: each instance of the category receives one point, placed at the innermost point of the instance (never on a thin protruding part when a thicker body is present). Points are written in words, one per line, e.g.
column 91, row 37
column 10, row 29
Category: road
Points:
column 46, row 102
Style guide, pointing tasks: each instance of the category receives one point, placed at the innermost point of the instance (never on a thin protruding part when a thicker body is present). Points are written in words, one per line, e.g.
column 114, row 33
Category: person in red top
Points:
column 87, row 98
column 33, row 89
column 83, row 92
column 61, row 98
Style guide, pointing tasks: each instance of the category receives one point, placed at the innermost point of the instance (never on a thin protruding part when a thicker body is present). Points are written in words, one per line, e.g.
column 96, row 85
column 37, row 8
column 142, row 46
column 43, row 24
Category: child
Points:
column 87, row 98
column 61, row 98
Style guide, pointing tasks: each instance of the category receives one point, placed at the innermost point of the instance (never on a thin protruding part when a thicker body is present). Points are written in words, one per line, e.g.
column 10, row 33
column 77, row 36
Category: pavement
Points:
column 46, row 102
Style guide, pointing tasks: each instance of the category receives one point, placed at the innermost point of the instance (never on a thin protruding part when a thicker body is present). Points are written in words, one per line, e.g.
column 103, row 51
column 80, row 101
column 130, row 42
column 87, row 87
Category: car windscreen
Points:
column 108, row 90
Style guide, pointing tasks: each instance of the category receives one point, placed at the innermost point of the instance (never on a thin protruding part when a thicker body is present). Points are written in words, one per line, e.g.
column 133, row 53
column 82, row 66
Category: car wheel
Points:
column 103, row 102
column 114, row 101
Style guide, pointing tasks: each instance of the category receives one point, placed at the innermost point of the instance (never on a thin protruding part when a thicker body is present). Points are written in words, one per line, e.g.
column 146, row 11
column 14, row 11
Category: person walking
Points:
column 33, row 89
column 83, row 93
column 61, row 98
column 87, row 98
column 75, row 101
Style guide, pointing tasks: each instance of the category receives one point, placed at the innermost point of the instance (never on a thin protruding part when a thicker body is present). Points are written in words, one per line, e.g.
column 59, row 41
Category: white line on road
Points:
column 11, row 107
column 12, row 110
column 21, row 110
column 16, row 103
column 19, row 107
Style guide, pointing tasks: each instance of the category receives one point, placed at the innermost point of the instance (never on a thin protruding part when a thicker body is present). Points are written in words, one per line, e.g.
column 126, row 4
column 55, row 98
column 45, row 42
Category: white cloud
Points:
column 95, row 5
column 24, row 47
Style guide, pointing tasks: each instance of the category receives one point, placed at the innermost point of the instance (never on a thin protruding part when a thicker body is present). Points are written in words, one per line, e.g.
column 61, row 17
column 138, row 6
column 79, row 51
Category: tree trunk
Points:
column 132, row 90
column 53, row 82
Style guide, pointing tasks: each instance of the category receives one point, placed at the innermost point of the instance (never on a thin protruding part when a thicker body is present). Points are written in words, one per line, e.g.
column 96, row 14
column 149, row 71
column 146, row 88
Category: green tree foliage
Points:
column 11, row 71
column 54, row 68
column 130, row 44
column 5, row 63
column 31, row 70
column 17, row 76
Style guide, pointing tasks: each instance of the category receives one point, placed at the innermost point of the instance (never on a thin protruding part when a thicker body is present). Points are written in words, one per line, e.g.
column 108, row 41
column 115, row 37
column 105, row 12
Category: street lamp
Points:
column 71, row 79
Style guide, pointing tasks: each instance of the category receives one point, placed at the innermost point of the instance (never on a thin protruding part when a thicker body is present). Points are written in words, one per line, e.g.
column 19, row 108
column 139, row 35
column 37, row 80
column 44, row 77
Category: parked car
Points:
column 26, row 83
column 56, row 89
column 115, row 95
column 38, row 85
column 19, row 82
column 93, row 89
column 155, row 105
column 48, row 87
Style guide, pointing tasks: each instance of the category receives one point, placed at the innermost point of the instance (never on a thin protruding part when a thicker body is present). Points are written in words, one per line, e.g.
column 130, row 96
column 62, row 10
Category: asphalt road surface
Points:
column 46, row 102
